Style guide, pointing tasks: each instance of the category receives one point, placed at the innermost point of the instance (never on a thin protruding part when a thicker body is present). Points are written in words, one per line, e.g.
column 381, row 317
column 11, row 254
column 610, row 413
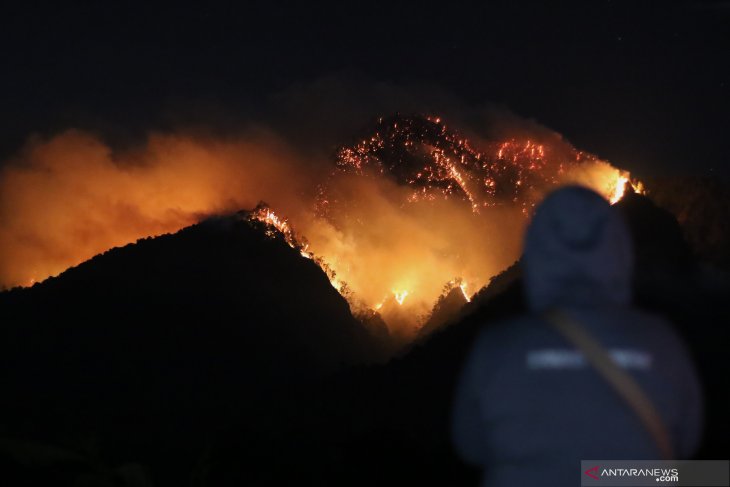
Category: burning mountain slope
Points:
column 405, row 210
column 412, row 205
column 436, row 161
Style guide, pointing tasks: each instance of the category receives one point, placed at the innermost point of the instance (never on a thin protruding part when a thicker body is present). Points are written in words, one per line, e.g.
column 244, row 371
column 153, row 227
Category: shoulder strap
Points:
column 620, row 380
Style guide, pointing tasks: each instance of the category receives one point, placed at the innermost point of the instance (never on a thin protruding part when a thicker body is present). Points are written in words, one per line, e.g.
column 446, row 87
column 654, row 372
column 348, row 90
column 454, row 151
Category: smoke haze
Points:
column 69, row 197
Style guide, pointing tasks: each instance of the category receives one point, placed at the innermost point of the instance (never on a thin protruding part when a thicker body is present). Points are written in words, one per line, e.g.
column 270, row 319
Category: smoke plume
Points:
column 390, row 243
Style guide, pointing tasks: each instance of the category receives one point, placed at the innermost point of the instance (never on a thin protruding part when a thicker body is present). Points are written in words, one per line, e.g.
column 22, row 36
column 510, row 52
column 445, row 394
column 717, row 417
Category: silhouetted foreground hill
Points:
column 145, row 349
column 702, row 207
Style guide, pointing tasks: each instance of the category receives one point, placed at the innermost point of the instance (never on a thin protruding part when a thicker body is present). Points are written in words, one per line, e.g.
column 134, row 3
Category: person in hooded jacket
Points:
column 528, row 405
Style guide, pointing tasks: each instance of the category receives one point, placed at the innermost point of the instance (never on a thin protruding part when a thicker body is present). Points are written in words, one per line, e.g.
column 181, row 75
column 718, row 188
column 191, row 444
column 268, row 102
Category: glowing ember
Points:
column 422, row 153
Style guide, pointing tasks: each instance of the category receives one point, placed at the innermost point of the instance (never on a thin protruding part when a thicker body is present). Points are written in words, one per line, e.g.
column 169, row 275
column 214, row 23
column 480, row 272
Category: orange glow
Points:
column 383, row 233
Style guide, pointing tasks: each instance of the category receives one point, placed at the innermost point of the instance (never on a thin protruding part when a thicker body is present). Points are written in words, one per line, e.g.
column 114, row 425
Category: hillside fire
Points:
column 438, row 176
column 409, row 209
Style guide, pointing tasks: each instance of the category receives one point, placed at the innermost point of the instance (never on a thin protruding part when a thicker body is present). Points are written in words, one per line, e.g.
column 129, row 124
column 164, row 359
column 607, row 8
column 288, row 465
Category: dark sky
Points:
column 645, row 87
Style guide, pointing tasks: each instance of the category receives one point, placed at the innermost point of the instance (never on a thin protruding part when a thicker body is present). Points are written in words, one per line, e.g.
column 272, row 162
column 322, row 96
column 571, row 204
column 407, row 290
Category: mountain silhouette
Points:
column 152, row 345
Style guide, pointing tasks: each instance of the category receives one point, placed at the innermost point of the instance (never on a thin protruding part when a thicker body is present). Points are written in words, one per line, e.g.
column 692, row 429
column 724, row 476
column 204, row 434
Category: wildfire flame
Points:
column 433, row 166
column 406, row 207
column 462, row 286
column 266, row 215
column 400, row 296
column 622, row 182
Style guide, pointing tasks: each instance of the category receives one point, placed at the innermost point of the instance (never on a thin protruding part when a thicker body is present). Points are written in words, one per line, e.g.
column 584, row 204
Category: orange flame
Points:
column 462, row 286
column 400, row 296
column 458, row 212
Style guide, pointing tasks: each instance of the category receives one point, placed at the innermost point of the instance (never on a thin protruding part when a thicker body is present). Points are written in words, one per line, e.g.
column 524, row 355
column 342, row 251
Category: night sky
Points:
column 644, row 87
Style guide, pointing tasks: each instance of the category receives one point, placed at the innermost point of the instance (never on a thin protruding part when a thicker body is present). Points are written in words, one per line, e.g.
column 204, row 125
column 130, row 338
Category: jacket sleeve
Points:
column 467, row 424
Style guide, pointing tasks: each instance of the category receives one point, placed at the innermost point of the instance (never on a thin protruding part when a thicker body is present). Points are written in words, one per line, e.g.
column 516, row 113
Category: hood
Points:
column 578, row 252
